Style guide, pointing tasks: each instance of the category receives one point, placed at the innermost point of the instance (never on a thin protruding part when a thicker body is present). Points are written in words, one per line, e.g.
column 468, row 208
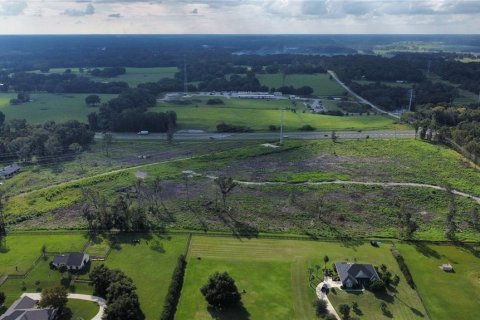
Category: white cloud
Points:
column 242, row 16
column 88, row 11
column 12, row 8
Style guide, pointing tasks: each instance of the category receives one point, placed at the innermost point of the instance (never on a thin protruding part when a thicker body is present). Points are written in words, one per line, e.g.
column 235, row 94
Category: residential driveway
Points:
column 322, row 296
column 100, row 301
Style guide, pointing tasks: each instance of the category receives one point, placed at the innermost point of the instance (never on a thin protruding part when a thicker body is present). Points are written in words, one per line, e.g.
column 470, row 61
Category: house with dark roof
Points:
column 73, row 261
column 9, row 171
column 27, row 308
column 356, row 275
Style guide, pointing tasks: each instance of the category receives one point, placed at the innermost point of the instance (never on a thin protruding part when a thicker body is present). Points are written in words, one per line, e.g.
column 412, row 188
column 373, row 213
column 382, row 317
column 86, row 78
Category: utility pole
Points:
column 185, row 86
column 410, row 102
column 281, row 126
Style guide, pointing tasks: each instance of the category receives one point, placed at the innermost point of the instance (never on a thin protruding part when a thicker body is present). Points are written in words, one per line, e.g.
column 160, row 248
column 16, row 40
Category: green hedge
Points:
column 403, row 267
column 174, row 291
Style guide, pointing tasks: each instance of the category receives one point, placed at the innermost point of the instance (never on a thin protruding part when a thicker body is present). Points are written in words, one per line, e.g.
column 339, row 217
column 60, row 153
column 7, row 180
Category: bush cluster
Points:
column 174, row 291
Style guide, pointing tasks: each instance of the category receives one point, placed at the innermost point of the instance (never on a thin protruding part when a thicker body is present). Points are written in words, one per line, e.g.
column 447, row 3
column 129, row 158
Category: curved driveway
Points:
column 99, row 301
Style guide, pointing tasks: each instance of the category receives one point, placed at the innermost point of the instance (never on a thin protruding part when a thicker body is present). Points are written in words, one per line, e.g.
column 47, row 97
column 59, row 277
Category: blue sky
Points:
column 238, row 16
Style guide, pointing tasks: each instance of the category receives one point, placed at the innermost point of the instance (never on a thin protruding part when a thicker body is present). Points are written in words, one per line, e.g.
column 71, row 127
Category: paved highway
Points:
column 270, row 136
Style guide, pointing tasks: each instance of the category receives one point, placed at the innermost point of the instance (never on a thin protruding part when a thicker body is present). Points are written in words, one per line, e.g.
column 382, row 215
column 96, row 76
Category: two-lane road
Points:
column 269, row 136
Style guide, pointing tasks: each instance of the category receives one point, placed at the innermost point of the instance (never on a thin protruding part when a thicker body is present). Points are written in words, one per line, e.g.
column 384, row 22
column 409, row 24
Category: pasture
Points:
column 272, row 276
column 321, row 83
column 133, row 76
column 49, row 107
column 447, row 295
column 258, row 115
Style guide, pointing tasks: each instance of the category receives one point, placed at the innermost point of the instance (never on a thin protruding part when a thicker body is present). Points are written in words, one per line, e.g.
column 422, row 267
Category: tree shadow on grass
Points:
column 417, row 312
column 233, row 313
column 426, row 250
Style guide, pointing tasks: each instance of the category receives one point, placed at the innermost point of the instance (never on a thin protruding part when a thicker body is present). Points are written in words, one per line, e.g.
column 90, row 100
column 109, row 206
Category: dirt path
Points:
column 380, row 184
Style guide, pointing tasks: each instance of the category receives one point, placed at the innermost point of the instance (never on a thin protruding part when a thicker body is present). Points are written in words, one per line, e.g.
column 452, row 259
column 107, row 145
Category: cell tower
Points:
column 185, row 85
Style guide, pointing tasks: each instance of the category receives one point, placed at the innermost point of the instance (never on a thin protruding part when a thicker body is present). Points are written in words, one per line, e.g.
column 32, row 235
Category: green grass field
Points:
column 273, row 276
column 133, row 76
column 81, row 310
column 48, row 106
column 446, row 295
column 40, row 278
column 21, row 250
column 150, row 264
column 258, row 115
column 321, row 83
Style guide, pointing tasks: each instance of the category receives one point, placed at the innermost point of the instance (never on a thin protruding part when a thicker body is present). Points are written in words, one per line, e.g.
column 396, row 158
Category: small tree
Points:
column 377, row 286
column 92, row 100
column 44, row 251
column 344, row 310
column 334, row 136
column 54, row 297
column 320, row 307
column 325, row 260
column 220, row 291
column 226, row 185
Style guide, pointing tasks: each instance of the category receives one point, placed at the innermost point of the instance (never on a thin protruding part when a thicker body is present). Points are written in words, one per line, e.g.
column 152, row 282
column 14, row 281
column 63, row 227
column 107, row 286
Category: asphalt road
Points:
column 269, row 136
column 361, row 99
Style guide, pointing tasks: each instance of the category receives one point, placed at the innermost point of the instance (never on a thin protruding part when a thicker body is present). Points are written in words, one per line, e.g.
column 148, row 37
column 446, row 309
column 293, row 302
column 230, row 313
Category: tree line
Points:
column 67, row 82
column 129, row 113
column 22, row 141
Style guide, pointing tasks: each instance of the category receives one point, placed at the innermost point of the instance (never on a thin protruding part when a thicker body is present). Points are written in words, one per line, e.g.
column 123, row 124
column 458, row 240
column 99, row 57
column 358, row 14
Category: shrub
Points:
column 403, row 267
column 225, row 127
column 215, row 101
column 330, row 317
column 320, row 307
column 174, row 290
column 377, row 285
column 307, row 127
column 344, row 310
column 272, row 127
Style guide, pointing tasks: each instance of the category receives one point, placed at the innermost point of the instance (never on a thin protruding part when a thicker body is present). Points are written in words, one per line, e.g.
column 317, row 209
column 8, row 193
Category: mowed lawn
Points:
column 321, row 83
column 40, row 278
column 273, row 277
column 150, row 264
column 446, row 295
column 49, row 106
column 207, row 118
column 21, row 250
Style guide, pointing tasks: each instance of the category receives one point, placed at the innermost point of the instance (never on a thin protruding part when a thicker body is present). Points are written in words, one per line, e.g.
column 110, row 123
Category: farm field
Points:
column 133, row 76
column 207, row 118
column 273, row 276
column 47, row 106
column 287, row 168
column 453, row 295
column 321, row 84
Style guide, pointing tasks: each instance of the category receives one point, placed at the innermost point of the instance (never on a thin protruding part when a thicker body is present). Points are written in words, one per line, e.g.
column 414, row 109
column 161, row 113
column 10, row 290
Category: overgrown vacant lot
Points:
column 258, row 115
column 21, row 250
column 48, row 106
column 446, row 295
column 272, row 274
column 292, row 206
column 321, row 84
